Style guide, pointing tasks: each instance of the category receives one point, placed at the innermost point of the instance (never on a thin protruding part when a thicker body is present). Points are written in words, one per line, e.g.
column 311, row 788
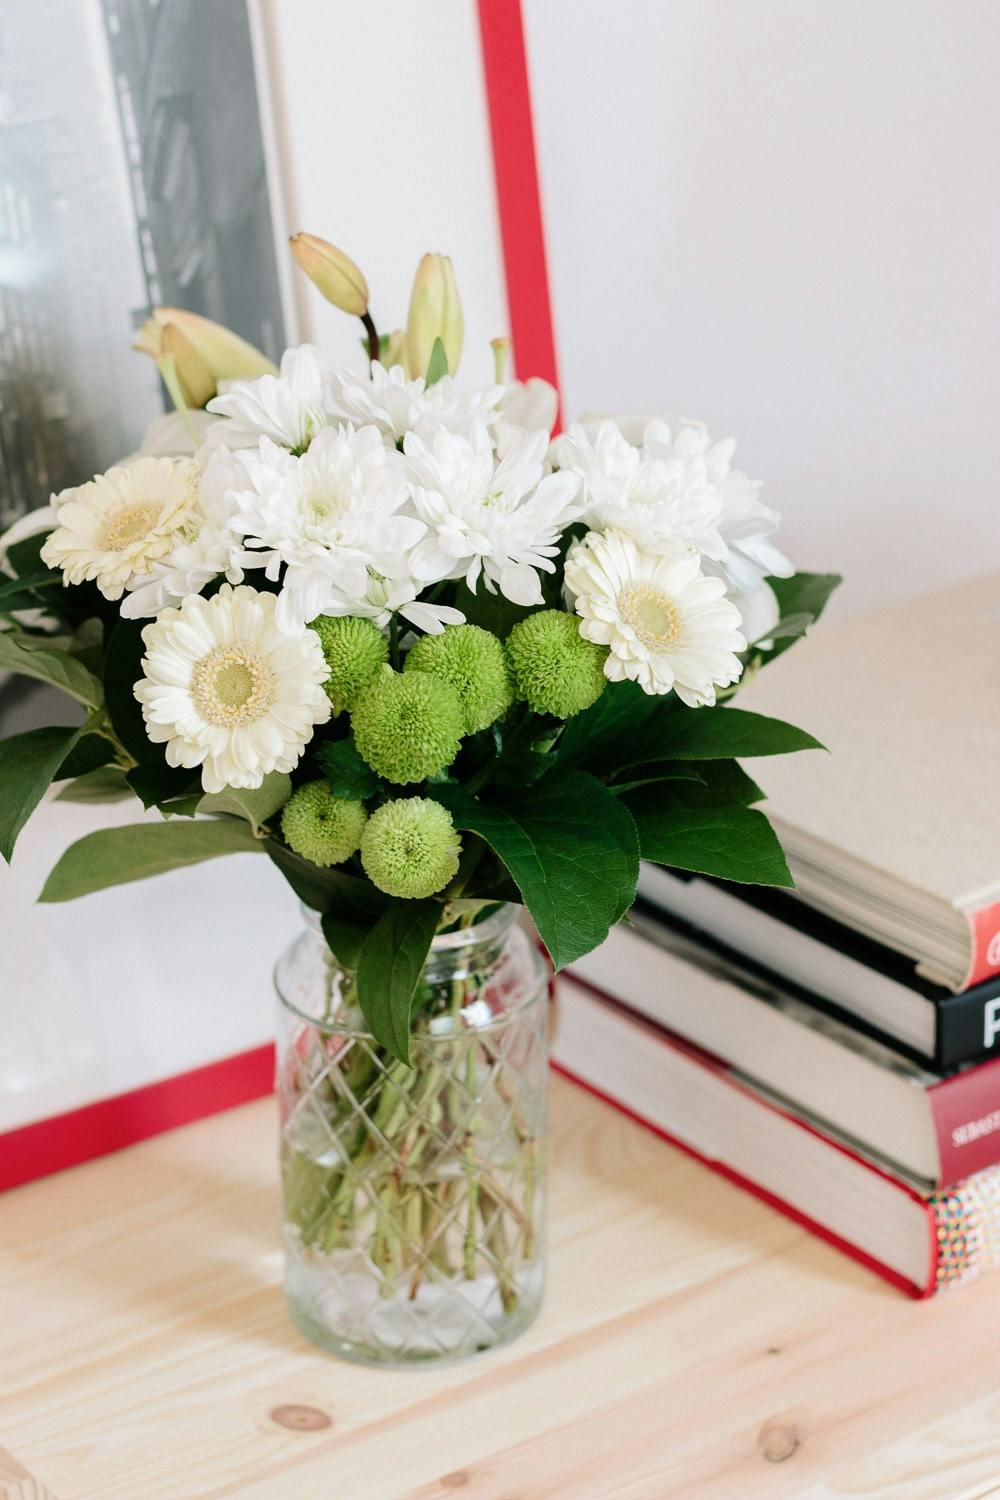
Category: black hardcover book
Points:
column 870, row 984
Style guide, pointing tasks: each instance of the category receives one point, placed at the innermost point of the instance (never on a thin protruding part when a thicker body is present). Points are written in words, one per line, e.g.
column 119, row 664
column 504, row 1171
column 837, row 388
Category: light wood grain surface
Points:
column 694, row 1344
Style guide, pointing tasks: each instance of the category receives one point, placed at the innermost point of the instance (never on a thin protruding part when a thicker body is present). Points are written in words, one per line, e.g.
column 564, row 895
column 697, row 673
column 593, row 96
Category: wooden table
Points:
column 694, row 1343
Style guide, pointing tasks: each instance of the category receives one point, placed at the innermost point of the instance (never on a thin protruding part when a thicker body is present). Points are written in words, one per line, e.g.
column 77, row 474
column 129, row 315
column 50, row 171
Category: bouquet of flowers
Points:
column 388, row 633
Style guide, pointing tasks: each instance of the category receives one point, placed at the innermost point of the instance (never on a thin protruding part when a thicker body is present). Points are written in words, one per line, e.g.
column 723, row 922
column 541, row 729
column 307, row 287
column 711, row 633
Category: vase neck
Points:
column 460, row 950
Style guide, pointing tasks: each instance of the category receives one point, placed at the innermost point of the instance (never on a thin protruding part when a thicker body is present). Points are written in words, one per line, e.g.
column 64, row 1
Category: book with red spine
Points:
column 878, row 988
column 937, row 1129
column 918, row 1241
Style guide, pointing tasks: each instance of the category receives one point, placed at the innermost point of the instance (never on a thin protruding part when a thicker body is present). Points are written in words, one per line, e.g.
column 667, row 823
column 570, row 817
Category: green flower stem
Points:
column 379, row 1187
column 529, row 1176
column 496, row 1240
column 472, row 1210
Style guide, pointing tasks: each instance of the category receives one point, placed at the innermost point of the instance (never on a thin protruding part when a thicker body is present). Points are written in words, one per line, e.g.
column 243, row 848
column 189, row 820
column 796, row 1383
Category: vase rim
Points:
column 498, row 922
column 494, row 927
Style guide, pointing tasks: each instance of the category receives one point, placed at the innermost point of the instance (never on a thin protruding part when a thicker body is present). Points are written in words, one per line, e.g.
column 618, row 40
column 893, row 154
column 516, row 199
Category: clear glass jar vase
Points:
column 414, row 1196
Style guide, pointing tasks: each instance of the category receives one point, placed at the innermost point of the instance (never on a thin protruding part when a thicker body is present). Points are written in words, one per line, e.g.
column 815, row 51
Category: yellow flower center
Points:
column 127, row 525
column 232, row 686
column 653, row 616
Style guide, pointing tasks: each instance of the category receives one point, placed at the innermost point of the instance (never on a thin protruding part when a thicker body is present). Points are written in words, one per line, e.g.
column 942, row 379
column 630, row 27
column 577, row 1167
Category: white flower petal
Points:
column 215, row 674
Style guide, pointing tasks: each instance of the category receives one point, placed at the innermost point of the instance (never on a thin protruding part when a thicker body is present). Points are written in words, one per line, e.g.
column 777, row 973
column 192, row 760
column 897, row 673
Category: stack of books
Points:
column 836, row 1050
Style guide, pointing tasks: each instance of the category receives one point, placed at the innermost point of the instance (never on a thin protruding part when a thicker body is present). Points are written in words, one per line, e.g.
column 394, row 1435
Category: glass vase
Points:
column 414, row 1196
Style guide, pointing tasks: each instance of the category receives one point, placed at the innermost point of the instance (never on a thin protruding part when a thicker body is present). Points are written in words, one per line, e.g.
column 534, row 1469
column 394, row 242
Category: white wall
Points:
column 782, row 216
column 385, row 150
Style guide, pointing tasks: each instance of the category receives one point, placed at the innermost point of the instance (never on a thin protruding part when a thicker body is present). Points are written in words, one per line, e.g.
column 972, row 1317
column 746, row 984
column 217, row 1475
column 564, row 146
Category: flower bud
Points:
column 199, row 352
column 332, row 272
column 393, row 350
column 435, row 313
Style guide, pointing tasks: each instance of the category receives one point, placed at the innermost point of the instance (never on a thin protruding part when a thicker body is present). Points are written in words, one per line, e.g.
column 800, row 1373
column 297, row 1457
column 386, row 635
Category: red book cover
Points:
column 985, row 928
column 772, row 1199
column 966, row 1114
column 610, row 1048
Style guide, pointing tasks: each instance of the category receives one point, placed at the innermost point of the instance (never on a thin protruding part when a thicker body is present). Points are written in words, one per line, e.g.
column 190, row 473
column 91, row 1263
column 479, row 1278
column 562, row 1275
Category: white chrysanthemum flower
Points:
column 527, row 406
column 227, row 690
column 204, row 547
column 388, row 400
column 746, row 527
column 759, row 612
column 329, row 514
column 115, row 527
column 501, row 520
column 287, row 408
column 667, row 626
column 675, row 488
column 384, row 597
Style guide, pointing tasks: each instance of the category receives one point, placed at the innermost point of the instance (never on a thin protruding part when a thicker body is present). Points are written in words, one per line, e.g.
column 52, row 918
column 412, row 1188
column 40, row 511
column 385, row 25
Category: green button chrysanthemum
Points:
column 410, row 848
column 354, row 650
column 470, row 660
column 320, row 826
column 555, row 670
column 407, row 727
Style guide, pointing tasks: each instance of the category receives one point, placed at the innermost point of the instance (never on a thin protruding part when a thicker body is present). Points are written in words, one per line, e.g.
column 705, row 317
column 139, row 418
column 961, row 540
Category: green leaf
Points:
column 437, row 365
column 524, row 767
column 492, row 612
column 15, row 588
column 25, row 556
column 152, row 779
column 722, row 781
column 349, row 775
column 344, row 938
column 113, row 856
column 103, row 784
column 390, row 962
column 181, row 807
column 733, row 843
column 807, row 593
column 56, row 667
column 571, row 848
column 609, row 733
column 349, row 896
column 123, row 655
column 722, row 734
column 792, row 626
column 653, row 775
column 801, row 600
column 89, row 752
column 28, row 764
column 256, row 806
column 156, row 783
column 87, row 645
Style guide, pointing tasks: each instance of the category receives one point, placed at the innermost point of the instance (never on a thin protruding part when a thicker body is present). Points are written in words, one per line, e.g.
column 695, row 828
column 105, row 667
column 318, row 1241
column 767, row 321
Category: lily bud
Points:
column 199, row 352
column 332, row 272
column 435, row 313
column 393, row 349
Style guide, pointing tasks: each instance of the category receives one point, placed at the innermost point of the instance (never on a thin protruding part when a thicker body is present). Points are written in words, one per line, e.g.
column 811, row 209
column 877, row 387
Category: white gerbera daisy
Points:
column 226, row 690
column 202, row 548
column 396, row 405
column 329, row 515
column 287, row 408
column 115, row 527
column 675, row 488
column 501, row 520
column 667, row 626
